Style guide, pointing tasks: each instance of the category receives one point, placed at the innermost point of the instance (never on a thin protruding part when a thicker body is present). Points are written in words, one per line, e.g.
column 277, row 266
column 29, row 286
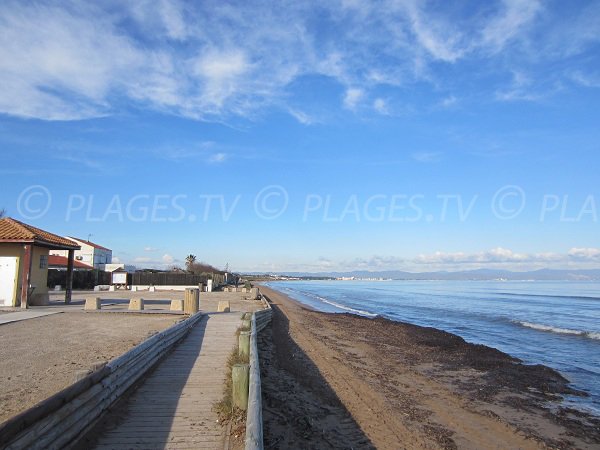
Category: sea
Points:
column 555, row 323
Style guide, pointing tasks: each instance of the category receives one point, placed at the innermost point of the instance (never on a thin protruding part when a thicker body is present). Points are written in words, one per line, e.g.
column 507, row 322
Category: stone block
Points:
column 224, row 306
column 176, row 305
column 92, row 304
column 136, row 304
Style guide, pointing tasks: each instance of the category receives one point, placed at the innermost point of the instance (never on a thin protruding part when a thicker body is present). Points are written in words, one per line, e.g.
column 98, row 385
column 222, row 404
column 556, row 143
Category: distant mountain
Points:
column 478, row 274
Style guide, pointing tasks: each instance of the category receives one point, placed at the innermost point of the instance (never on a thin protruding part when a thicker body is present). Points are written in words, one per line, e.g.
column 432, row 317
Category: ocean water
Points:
column 546, row 322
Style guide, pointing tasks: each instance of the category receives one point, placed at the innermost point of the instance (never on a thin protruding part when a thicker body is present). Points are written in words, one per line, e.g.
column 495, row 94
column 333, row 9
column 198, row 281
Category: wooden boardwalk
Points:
column 172, row 408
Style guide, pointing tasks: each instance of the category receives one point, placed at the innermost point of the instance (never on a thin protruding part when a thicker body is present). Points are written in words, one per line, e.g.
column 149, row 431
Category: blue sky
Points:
column 307, row 136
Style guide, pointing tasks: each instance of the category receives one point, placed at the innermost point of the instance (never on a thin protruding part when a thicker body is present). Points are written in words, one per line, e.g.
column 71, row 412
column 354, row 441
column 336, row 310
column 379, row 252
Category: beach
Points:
column 341, row 381
column 42, row 356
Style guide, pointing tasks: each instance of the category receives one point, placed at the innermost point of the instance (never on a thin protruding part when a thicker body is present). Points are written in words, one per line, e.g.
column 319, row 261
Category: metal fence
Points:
column 82, row 279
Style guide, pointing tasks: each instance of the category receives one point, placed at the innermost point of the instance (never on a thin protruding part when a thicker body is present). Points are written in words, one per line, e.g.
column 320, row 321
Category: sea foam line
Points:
column 558, row 330
column 347, row 308
column 338, row 305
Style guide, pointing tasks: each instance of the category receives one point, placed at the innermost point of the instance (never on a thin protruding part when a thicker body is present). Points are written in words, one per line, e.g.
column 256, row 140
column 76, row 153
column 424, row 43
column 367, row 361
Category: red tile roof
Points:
column 62, row 261
column 90, row 243
column 11, row 230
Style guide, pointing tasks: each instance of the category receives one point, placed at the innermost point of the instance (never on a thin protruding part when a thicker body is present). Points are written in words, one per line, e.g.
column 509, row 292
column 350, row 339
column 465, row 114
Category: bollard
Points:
column 244, row 343
column 136, row 304
column 191, row 302
column 224, row 306
column 247, row 324
column 92, row 304
column 239, row 380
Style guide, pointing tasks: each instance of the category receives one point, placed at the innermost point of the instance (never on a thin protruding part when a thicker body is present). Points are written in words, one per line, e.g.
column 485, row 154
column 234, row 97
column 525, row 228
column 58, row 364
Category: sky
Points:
column 307, row 136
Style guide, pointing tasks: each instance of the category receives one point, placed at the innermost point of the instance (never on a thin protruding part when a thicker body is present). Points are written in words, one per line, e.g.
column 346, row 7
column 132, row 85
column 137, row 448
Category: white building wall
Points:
column 88, row 254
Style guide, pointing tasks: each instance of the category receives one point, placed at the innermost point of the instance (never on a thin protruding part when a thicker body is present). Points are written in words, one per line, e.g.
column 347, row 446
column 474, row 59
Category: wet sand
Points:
column 344, row 381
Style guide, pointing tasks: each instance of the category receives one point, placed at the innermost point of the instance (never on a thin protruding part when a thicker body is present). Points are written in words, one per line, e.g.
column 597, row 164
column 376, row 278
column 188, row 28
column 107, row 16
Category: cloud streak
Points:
column 75, row 60
column 495, row 258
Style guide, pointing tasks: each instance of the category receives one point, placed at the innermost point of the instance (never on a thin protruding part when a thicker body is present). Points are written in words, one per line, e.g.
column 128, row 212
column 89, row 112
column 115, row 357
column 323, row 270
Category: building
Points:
column 91, row 254
column 24, row 254
column 62, row 263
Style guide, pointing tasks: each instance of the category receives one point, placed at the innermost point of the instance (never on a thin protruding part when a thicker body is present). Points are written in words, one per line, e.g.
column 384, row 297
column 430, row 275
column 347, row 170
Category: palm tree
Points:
column 190, row 260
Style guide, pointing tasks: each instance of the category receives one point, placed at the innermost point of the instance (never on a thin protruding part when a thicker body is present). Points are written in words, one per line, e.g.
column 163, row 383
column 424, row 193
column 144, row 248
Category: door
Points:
column 8, row 278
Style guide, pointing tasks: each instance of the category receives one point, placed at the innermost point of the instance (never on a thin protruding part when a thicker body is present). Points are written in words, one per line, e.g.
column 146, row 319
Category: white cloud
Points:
column 448, row 102
column 520, row 89
column 495, row 258
column 585, row 254
column 149, row 249
column 352, row 98
column 217, row 158
column 380, row 105
column 167, row 259
column 586, row 79
column 516, row 15
column 438, row 37
column 302, row 117
column 496, row 255
column 75, row 60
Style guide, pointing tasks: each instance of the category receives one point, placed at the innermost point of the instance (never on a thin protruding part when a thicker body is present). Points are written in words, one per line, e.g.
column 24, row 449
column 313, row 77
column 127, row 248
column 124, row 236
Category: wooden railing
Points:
column 254, row 422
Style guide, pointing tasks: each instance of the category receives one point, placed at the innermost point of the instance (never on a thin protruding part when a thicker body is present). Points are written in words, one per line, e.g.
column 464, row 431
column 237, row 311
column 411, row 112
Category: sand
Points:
column 343, row 381
column 42, row 356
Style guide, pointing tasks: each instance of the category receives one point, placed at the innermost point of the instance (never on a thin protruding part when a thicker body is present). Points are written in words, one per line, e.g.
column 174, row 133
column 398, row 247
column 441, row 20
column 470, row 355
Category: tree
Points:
column 190, row 260
column 2, row 213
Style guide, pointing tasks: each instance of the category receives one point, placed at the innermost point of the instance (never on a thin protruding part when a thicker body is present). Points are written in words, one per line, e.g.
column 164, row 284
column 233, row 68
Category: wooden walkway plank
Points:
column 172, row 408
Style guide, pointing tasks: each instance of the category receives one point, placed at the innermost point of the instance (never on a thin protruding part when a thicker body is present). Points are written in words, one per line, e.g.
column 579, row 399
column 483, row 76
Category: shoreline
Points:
column 572, row 393
column 476, row 385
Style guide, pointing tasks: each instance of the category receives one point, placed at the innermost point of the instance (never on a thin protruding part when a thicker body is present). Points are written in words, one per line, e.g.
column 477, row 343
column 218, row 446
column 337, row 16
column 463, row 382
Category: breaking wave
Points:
column 558, row 330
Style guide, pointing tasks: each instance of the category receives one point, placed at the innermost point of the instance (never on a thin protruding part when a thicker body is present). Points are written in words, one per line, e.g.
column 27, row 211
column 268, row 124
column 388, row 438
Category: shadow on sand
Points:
column 300, row 409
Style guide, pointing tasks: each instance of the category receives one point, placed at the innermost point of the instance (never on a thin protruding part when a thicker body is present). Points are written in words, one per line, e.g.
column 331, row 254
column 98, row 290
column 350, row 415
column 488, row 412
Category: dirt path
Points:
column 41, row 356
column 396, row 386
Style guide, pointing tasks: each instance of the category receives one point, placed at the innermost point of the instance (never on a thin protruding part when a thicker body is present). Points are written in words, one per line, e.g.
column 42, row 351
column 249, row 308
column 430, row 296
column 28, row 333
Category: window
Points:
column 43, row 261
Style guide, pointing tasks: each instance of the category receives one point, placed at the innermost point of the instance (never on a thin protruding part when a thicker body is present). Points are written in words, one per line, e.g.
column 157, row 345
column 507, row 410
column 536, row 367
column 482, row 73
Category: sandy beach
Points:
column 344, row 381
column 44, row 355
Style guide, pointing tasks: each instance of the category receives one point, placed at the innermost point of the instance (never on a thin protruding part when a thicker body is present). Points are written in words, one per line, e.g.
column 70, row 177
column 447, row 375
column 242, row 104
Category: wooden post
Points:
column 191, row 302
column 247, row 324
column 244, row 343
column 240, row 378
column 26, row 275
column 69, row 286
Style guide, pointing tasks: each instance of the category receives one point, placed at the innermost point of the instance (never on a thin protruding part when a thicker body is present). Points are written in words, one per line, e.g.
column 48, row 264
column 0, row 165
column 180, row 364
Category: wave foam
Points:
column 347, row 308
column 558, row 330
